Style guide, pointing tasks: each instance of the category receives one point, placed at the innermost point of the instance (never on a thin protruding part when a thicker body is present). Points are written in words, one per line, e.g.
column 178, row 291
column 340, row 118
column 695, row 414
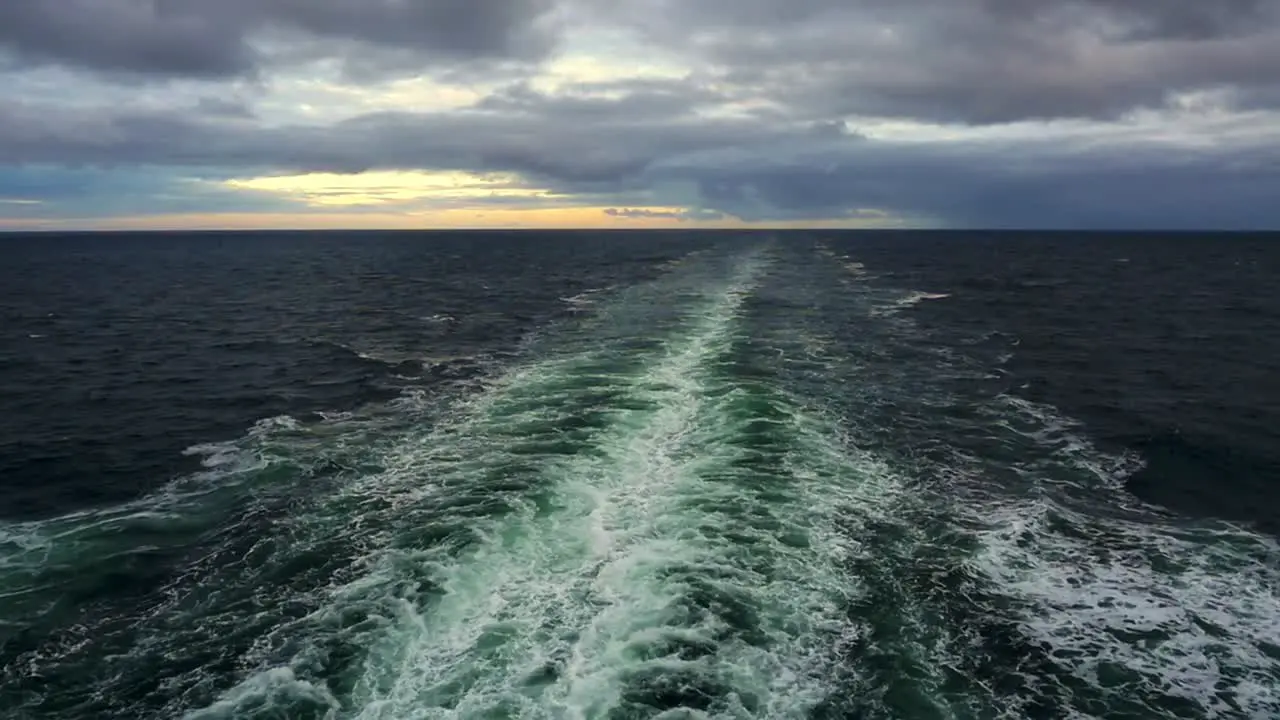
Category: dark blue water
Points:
column 391, row 475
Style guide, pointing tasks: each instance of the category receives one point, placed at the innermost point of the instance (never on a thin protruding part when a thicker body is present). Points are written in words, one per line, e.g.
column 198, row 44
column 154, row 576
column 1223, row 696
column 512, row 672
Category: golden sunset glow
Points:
column 636, row 113
column 477, row 218
column 391, row 187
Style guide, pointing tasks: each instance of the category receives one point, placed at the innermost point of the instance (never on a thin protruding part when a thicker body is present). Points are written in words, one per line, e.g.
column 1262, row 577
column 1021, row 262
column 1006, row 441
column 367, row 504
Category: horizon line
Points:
column 632, row 230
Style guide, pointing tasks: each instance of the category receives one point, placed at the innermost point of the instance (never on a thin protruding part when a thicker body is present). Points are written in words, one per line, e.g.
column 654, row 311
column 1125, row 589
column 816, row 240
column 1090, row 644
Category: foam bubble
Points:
column 908, row 300
column 1110, row 602
column 645, row 566
column 588, row 297
column 274, row 691
column 1137, row 605
column 1187, row 614
column 663, row 510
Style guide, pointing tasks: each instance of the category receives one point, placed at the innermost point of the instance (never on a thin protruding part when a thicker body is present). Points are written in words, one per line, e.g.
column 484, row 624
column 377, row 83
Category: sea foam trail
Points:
column 1085, row 601
column 538, row 603
column 678, row 551
column 1154, row 615
column 241, row 560
column 751, row 487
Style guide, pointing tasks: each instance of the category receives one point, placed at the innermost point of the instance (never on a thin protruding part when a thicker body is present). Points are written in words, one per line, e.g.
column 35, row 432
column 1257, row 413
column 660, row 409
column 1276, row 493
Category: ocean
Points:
column 639, row 475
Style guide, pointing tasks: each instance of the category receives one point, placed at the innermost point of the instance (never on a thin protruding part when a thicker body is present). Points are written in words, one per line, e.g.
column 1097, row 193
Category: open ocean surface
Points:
column 637, row 475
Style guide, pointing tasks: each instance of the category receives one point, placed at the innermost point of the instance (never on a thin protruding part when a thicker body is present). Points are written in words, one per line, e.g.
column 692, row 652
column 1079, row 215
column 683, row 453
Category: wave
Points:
column 909, row 300
column 588, row 297
column 1135, row 605
column 710, row 496
column 1099, row 603
column 617, row 583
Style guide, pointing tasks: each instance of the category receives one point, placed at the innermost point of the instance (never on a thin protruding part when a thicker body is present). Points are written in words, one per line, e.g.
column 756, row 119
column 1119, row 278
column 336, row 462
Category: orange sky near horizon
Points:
column 586, row 218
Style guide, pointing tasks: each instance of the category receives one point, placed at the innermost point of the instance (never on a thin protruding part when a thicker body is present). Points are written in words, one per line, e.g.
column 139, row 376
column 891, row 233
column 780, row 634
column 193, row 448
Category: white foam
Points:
column 553, row 568
column 908, row 300
column 562, row 601
column 214, row 455
column 1067, row 444
column 1187, row 612
column 275, row 691
column 1187, row 607
column 584, row 299
column 227, row 465
column 1099, row 578
column 599, row 563
column 384, row 471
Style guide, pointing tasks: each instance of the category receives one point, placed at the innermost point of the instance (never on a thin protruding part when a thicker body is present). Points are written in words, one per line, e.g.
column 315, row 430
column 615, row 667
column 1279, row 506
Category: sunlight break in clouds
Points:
column 417, row 113
column 450, row 188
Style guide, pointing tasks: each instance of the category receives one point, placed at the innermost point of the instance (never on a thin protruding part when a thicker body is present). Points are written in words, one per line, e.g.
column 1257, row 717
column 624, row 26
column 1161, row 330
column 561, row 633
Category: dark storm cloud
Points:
column 125, row 35
column 1170, row 19
column 975, row 61
column 753, row 168
column 1161, row 19
column 224, row 107
column 764, row 125
column 1014, row 184
column 570, row 138
column 214, row 38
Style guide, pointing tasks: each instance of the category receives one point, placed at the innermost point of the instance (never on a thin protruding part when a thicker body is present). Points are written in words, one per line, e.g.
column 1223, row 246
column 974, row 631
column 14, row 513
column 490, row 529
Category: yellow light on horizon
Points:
column 468, row 218
column 385, row 187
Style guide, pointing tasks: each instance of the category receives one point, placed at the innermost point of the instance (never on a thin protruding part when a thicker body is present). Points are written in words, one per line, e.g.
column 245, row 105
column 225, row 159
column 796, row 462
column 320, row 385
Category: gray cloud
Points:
column 683, row 215
column 972, row 61
column 64, row 193
column 591, row 142
column 755, row 168
column 1016, row 184
column 125, row 35
column 763, row 127
column 963, row 19
column 1178, row 19
column 618, row 101
column 217, row 39
column 224, row 107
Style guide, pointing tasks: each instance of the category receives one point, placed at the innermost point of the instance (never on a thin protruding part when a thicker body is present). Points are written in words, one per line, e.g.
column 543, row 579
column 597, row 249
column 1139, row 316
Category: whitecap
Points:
column 1111, row 585
column 583, row 299
column 911, row 299
column 277, row 690
column 1188, row 613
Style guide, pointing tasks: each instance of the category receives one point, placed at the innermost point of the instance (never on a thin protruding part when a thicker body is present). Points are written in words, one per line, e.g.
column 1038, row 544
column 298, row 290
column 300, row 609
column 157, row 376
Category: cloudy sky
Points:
column 639, row 113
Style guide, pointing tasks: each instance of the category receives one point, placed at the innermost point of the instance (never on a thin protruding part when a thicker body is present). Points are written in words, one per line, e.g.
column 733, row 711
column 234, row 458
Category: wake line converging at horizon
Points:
column 651, row 567
column 747, row 487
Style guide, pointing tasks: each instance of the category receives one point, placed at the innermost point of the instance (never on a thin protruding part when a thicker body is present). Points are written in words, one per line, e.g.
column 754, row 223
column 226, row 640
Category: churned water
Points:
column 632, row 476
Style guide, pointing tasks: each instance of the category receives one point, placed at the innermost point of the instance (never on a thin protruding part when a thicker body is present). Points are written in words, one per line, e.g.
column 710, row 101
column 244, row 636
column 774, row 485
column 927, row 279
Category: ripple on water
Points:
column 664, row 511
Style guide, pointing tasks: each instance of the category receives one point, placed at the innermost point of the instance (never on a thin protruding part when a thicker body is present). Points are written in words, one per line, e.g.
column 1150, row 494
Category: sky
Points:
column 1062, row 114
